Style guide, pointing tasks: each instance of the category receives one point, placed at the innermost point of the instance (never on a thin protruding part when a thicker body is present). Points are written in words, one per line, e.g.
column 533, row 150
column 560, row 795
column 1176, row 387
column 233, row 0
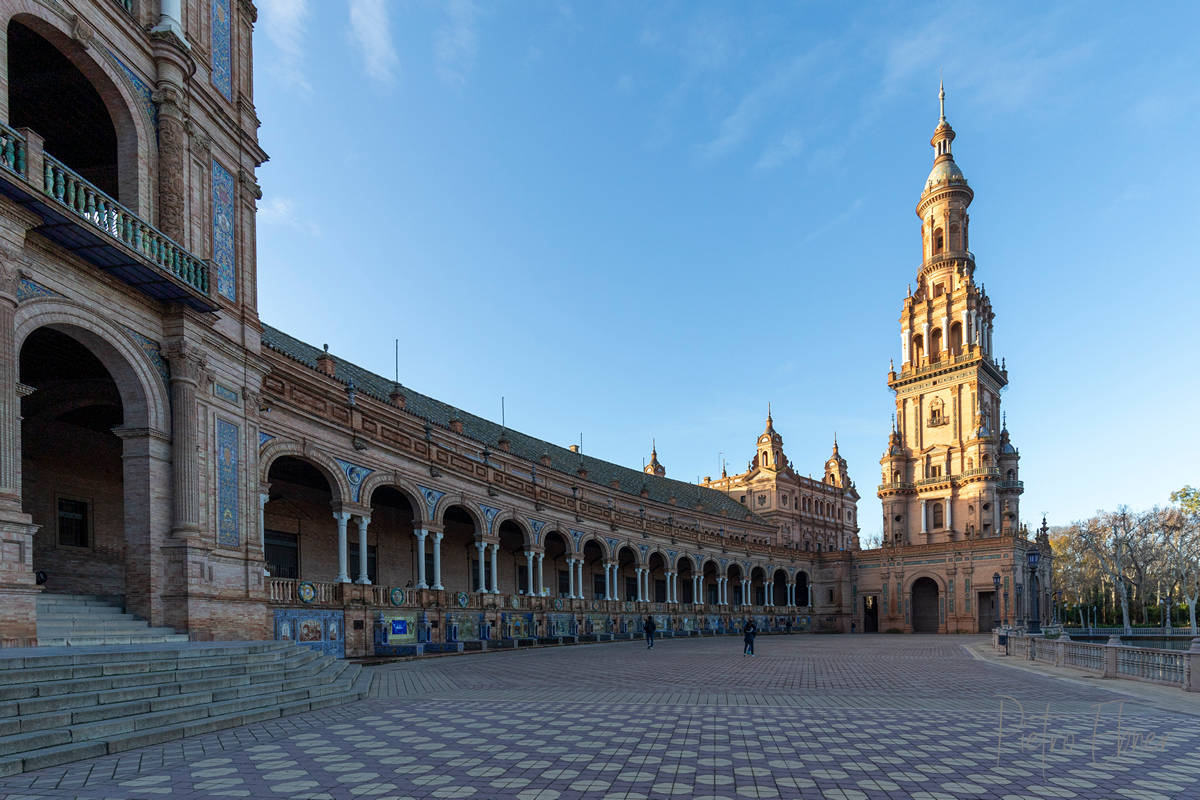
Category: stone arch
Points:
column 686, row 558
column 143, row 392
column 378, row 480
column 136, row 137
column 275, row 449
column 926, row 592
column 599, row 540
column 467, row 504
column 520, row 522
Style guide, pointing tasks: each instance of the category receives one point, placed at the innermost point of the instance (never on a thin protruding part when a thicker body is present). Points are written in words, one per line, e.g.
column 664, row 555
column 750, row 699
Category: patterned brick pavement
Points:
column 865, row 717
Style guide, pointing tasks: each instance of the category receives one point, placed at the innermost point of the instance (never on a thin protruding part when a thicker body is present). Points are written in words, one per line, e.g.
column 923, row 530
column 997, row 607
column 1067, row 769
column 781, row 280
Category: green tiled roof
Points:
column 601, row 473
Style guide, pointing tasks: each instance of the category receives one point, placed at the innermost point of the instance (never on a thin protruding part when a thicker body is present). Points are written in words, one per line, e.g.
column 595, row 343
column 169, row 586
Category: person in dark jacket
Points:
column 748, row 633
column 649, row 627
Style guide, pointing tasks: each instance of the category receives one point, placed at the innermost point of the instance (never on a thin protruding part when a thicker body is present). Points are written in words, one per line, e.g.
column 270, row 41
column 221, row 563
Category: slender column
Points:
column 541, row 581
column 722, row 591
column 925, row 338
column 437, row 560
column 342, row 517
column 481, row 548
column 363, row 522
column 170, row 19
column 420, row 534
column 697, row 589
column 529, row 572
column 263, row 499
column 495, row 568
column 579, row 590
column 608, row 580
column 965, row 340
column 187, row 368
column 747, row 600
column 950, row 511
column 791, row 595
column 905, row 346
column 570, row 577
column 924, row 519
column 768, row 591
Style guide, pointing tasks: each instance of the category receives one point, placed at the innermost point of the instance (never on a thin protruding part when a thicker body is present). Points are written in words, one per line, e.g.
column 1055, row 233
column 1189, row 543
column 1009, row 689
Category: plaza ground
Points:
column 811, row 716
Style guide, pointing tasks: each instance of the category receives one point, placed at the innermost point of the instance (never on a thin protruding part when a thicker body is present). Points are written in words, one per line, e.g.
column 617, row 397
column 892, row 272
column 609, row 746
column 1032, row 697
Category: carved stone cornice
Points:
column 249, row 184
column 187, row 362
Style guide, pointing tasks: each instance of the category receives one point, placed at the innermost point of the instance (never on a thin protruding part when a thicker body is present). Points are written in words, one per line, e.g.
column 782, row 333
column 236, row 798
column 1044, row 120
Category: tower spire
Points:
column 942, row 100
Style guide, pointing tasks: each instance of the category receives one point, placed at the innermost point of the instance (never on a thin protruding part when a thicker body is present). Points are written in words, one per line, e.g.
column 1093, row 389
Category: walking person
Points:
column 649, row 626
column 748, row 634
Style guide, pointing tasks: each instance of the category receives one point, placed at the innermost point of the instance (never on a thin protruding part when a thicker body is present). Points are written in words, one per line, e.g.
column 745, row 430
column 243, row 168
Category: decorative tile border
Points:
column 225, row 393
column 432, row 498
column 27, row 290
column 223, row 231
column 153, row 351
column 140, row 88
column 263, row 438
column 490, row 515
column 228, row 435
column 222, row 58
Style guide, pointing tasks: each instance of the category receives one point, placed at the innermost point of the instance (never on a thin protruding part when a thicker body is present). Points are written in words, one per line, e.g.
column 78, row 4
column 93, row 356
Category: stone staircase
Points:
column 79, row 619
column 61, row 704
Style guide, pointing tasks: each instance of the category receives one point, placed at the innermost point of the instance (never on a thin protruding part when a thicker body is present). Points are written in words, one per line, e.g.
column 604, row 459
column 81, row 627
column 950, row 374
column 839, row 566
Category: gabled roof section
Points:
column 601, row 473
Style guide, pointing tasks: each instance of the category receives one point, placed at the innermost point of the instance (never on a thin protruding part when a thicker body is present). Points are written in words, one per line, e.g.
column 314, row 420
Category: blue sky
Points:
column 648, row 220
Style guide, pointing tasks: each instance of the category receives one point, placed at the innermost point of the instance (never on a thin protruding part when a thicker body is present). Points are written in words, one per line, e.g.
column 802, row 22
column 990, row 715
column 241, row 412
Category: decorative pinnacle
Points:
column 942, row 100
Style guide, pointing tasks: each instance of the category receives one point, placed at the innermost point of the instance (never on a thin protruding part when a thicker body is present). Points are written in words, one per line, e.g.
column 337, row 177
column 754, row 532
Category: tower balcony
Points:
column 79, row 217
column 947, row 259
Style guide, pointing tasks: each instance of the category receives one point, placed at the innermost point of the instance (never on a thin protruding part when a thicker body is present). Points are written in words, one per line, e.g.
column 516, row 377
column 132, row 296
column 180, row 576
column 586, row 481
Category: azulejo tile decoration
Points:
column 153, row 351
column 396, row 596
column 489, row 514
column 432, row 498
column 228, row 534
column 355, row 475
column 223, row 231
column 225, row 393
column 306, row 592
column 27, row 290
column 263, row 438
column 222, row 59
column 319, row 630
column 140, row 88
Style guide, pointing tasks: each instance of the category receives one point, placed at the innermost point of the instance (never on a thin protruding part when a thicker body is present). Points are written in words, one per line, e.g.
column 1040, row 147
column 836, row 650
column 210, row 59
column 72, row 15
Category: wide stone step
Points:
column 125, row 638
column 58, row 715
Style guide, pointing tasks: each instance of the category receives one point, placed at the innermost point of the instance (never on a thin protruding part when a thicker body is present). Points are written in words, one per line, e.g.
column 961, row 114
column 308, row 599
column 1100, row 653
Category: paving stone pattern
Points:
column 843, row 717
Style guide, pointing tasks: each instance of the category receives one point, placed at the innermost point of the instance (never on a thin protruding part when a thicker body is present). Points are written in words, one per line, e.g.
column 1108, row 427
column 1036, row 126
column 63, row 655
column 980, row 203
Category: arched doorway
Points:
column 460, row 556
column 90, row 132
column 514, row 575
column 734, row 574
column 686, row 580
column 925, row 605
column 391, row 546
column 557, row 576
column 73, row 483
column 779, row 589
column 593, row 570
column 803, row 591
column 300, row 539
column 711, row 590
column 657, row 579
column 758, row 586
column 627, row 576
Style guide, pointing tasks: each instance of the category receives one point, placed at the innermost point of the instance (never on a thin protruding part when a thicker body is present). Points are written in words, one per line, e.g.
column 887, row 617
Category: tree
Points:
column 1179, row 532
column 1113, row 539
column 1188, row 499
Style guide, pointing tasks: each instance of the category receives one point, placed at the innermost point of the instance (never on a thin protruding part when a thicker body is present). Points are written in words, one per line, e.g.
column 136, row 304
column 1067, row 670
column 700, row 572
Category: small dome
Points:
column 1008, row 448
column 945, row 171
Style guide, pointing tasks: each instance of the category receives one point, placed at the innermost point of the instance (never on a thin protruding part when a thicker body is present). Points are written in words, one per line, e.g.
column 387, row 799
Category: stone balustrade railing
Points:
column 287, row 590
column 12, row 150
column 1179, row 668
column 94, row 206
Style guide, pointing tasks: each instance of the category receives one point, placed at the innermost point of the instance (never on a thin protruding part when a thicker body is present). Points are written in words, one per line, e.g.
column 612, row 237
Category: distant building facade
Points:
column 160, row 444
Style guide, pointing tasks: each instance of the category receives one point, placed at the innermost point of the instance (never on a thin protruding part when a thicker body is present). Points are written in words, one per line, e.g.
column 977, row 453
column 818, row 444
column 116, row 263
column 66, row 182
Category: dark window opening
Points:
column 73, row 522
column 282, row 552
column 352, row 568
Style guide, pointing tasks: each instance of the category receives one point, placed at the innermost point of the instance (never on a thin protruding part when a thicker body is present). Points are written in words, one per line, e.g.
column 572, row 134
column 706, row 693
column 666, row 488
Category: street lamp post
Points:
column 996, row 597
column 1033, row 555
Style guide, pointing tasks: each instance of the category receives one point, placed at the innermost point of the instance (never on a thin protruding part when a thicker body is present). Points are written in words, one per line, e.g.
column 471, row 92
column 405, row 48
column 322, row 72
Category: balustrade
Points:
column 12, row 150
column 94, row 206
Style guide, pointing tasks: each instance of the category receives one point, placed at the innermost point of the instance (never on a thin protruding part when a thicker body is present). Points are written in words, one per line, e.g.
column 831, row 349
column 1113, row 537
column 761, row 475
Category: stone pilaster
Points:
column 187, row 369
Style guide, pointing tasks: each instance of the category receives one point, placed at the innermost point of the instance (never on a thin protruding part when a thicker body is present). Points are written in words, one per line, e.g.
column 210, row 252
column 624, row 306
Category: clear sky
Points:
column 638, row 220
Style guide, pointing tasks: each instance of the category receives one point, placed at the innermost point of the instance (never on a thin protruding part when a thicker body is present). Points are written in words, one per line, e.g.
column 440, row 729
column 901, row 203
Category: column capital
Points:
column 420, row 533
column 363, row 519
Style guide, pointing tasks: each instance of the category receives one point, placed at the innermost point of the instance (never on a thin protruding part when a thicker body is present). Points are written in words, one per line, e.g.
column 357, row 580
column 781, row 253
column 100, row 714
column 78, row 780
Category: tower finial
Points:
column 942, row 100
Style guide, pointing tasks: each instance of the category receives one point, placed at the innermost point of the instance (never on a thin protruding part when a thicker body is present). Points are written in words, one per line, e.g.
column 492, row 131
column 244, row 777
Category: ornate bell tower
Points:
column 950, row 472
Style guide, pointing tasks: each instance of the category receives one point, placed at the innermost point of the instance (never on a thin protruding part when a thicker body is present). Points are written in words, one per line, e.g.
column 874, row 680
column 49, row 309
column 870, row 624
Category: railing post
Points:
column 1191, row 679
column 1110, row 656
column 35, row 164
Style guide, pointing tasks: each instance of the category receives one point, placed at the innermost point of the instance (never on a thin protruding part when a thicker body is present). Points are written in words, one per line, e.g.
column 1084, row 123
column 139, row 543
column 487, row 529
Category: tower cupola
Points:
column 654, row 468
column 770, row 447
